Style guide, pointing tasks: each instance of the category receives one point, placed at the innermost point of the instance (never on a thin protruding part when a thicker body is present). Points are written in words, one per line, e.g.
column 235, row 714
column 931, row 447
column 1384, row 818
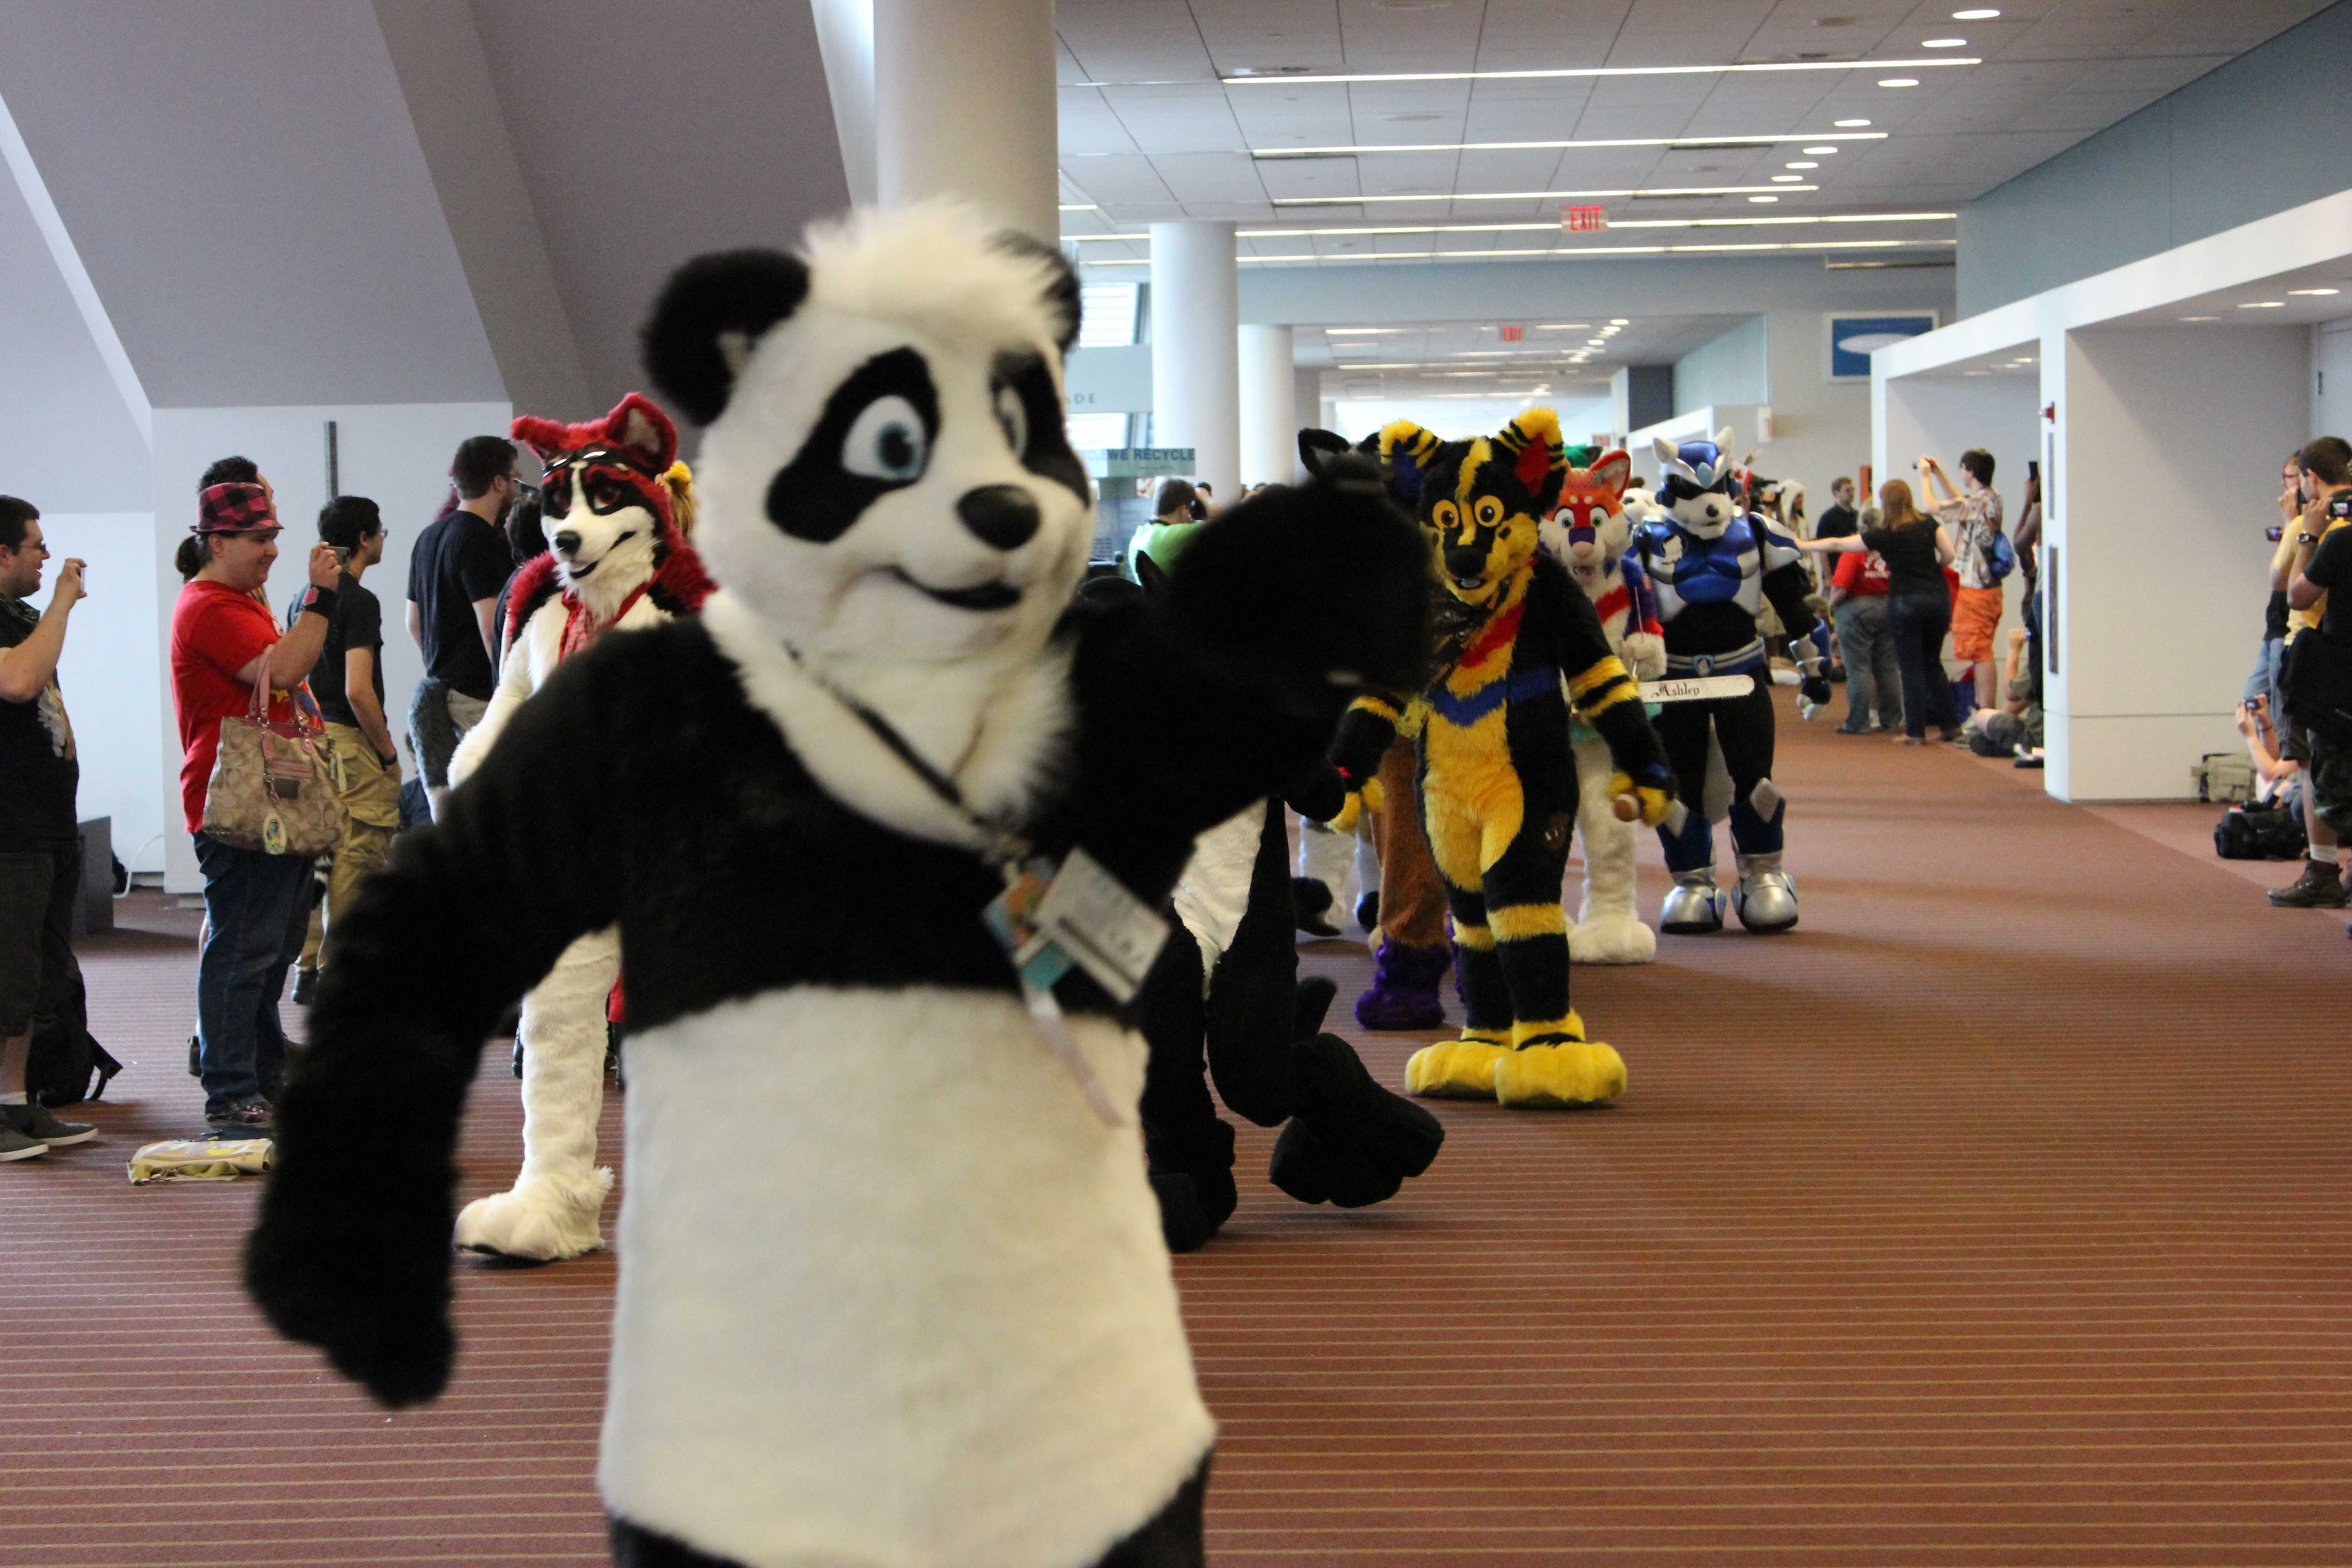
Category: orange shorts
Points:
column 1976, row 614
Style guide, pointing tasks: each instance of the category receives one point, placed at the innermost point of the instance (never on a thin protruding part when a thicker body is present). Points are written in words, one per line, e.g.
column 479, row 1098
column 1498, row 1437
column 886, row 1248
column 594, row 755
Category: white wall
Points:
column 2172, row 444
column 1731, row 369
column 396, row 454
column 1944, row 416
column 2331, row 388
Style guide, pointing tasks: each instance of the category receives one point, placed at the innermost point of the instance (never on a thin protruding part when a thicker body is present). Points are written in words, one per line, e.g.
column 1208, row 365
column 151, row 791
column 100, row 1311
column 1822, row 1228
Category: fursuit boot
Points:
column 1405, row 992
column 1767, row 898
column 1692, row 907
column 1192, row 1177
column 1311, row 900
column 1352, row 1143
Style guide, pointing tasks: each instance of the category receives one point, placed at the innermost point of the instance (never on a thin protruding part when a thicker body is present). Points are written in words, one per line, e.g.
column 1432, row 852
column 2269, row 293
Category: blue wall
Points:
column 2269, row 131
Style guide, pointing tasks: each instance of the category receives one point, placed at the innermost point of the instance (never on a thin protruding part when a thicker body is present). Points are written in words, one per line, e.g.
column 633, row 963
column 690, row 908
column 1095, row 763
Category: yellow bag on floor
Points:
column 202, row 1160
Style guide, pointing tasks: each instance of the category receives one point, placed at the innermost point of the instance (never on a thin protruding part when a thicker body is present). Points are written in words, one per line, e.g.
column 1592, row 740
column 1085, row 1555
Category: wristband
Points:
column 322, row 601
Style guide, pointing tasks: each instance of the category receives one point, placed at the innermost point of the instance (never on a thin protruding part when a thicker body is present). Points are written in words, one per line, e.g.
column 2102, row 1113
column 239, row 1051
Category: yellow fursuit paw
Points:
column 1454, row 1070
column 1576, row 1072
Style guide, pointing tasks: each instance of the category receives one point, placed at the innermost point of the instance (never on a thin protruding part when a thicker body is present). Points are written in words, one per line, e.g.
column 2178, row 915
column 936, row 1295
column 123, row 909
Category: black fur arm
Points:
column 1606, row 696
column 1224, row 688
column 352, row 1252
column 1787, row 587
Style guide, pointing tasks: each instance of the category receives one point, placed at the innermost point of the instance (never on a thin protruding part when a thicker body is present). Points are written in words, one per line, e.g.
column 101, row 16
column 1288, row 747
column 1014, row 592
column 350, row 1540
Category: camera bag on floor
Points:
column 2259, row 833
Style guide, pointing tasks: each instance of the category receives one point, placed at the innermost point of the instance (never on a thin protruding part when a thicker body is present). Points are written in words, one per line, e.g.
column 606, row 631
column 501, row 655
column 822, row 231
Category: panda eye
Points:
column 886, row 442
column 1014, row 418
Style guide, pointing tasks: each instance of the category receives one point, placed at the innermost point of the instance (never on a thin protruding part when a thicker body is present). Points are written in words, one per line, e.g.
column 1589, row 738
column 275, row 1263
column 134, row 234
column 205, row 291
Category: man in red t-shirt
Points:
column 224, row 643
column 1858, row 606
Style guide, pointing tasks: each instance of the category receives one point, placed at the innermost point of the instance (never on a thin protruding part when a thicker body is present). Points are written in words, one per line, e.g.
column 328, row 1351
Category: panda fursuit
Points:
column 892, row 1285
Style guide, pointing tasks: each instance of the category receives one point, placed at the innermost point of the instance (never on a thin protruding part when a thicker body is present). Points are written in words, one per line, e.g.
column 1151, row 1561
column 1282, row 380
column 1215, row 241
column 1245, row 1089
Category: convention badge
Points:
column 1013, row 918
column 1696, row 688
column 1115, row 936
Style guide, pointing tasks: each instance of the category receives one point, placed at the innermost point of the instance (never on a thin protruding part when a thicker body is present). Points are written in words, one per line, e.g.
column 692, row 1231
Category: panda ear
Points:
column 1316, row 446
column 1061, row 284
column 709, row 314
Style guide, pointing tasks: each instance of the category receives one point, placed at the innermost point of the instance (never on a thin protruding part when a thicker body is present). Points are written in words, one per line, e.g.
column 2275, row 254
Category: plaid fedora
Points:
column 234, row 508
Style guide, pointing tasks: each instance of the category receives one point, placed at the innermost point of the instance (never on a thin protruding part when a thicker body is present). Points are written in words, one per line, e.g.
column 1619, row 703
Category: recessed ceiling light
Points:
column 1943, row 43
column 1763, row 199
column 1978, row 13
column 1801, row 163
column 1900, row 82
column 2312, row 291
column 1851, row 124
column 2263, row 305
column 1818, row 152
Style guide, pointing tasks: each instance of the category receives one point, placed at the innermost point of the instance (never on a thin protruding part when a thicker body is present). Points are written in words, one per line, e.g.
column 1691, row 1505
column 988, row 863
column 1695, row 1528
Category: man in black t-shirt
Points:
column 454, row 572
column 1841, row 519
column 40, row 846
column 347, row 682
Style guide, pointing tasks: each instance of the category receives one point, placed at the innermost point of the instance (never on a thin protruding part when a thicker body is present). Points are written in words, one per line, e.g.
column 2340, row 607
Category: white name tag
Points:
column 1694, row 687
column 1114, row 936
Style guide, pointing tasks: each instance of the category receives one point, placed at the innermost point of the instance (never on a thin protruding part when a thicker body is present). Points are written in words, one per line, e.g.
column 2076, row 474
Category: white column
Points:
column 1269, row 411
column 1306, row 408
column 1195, row 349
column 964, row 106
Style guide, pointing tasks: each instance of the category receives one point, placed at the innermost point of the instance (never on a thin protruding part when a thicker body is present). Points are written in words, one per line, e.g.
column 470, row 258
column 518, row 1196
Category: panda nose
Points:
column 1001, row 516
column 567, row 543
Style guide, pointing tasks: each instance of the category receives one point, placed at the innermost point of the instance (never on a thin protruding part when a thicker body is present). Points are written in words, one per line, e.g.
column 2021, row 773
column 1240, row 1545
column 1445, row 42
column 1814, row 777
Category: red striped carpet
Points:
column 1998, row 1217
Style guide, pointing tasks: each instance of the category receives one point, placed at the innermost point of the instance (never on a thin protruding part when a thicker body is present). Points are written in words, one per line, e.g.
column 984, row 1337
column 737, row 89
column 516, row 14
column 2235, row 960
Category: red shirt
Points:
column 216, row 632
column 1861, row 573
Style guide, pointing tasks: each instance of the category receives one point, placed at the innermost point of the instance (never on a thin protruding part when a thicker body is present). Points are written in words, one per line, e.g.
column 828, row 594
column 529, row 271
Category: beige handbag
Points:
column 273, row 785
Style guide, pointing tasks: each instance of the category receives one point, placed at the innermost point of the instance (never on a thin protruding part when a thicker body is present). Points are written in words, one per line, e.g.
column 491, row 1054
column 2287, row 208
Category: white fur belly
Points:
column 890, row 1293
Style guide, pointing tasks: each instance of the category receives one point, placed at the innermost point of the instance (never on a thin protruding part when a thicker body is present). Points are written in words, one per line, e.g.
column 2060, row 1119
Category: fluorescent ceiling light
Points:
column 1801, row 163
column 1564, row 327
column 1360, row 332
column 1763, row 198
column 1849, row 124
column 1601, row 251
column 1595, row 71
column 1620, row 320
column 1775, row 220
column 1943, row 43
column 1818, row 152
column 1079, row 206
column 2313, row 291
column 2201, row 318
column 1900, row 82
column 1788, row 179
column 1545, row 146
column 1978, row 13
column 2263, row 305
column 1519, row 195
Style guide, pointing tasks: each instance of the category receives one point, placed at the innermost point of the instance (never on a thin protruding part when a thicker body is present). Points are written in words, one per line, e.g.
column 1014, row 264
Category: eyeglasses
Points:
column 28, row 549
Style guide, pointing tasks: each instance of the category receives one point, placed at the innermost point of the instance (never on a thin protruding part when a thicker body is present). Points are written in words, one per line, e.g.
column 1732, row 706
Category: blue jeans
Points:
column 1919, row 622
column 259, row 911
column 1874, row 679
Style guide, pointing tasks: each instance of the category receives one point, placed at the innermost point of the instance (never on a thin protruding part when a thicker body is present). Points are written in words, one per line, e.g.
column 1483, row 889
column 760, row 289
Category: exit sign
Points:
column 1583, row 220
column 1513, row 334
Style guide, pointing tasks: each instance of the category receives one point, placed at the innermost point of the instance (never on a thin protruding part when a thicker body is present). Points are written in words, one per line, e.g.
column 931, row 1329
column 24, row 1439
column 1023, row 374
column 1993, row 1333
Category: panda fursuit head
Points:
column 892, row 1289
column 1498, row 780
column 1713, row 567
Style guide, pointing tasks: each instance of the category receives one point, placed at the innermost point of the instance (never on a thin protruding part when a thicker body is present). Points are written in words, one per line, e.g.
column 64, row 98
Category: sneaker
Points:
column 306, row 986
column 41, row 1125
column 14, row 1145
column 2319, row 887
column 245, row 1119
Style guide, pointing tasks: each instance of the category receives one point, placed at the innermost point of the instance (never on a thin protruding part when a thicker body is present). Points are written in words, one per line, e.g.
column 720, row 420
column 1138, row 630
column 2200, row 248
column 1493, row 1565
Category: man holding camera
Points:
column 2315, row 676
column 349, row 685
